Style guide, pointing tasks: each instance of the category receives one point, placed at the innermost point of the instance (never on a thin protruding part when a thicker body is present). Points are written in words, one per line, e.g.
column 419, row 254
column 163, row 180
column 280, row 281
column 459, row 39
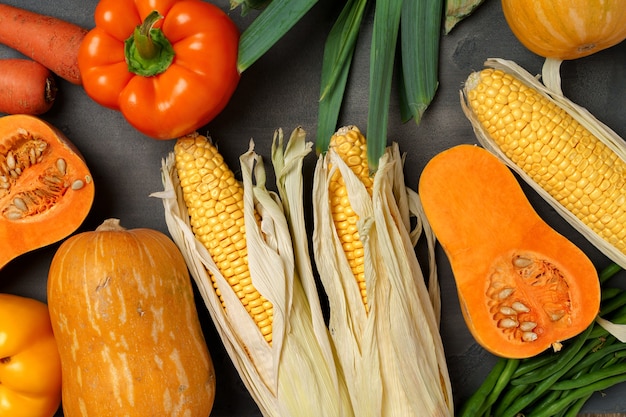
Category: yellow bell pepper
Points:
column 30, row 367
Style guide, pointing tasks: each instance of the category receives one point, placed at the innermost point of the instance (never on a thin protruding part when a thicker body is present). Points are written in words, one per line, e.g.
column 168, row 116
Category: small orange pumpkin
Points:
column 125, row 320
column 46, row 189
column 522, row 286
column 566, row 29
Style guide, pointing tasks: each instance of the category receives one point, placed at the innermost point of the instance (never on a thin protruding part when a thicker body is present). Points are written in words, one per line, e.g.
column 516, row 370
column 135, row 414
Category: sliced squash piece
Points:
column 522, row 286
column 46, row 188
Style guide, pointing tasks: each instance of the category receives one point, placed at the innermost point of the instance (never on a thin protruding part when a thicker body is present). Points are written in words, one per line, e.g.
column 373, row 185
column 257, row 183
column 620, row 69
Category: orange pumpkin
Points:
column 566, row 29
column 125, row 320
column 522, row 286
column 46, row 189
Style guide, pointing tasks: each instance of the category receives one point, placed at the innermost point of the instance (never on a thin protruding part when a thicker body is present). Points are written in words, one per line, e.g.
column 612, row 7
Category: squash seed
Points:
column 507, row 311
column 20, row 204
column 508, row 323
column 506, row 293
column 516, row 316
column 527, row 326
column 77, row 184
column 529, row 336
column 522, row 262
column 61, row 166
column 520, row 307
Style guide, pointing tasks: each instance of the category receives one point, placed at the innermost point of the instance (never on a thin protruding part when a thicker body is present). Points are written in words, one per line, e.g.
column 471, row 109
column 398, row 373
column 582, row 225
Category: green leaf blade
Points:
column 269, row 26
column 382, row 56
column 338, row 52
column 419, row 42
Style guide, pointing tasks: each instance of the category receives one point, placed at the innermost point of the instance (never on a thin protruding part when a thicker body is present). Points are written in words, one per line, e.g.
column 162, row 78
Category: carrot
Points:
column 26, row 87
column 48, row 40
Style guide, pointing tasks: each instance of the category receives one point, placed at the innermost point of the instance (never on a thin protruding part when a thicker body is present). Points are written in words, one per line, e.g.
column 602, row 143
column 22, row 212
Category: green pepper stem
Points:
column 146, row 48
column 148, row 52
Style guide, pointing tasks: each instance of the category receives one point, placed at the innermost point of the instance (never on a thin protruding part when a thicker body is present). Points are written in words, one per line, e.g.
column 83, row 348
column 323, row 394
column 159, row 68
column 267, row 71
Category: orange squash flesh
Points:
column 522, row 286
column 124, row 317
column 46, row 188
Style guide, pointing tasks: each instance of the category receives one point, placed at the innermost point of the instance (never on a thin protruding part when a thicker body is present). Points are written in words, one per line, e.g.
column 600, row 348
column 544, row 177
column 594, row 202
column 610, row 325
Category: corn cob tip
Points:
column 350, row 145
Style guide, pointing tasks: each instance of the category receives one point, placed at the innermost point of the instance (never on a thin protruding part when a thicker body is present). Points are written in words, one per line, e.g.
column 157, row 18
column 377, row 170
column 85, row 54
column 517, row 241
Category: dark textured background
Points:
column 281, row 90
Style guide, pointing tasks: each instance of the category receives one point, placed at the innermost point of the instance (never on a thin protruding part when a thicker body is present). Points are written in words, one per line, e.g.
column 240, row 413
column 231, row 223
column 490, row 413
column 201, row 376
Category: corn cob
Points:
column 378, row 325
column 555, row 150
column 350, row 145
column 214, row 199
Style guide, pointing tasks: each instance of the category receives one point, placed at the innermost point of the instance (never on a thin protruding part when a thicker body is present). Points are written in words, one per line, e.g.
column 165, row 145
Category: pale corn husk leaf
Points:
column 457, row 10
column 617, row 330
column 551, row 75
column 290, row 377
column 288, row 159
column 393, row 357
column 423, row 227
column 583, row 116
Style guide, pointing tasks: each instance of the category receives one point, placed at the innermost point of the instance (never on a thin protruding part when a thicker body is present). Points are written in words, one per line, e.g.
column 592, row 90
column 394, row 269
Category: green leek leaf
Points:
column 420, row 35
column 338, row 53
column 268, row 27
column 382, row 55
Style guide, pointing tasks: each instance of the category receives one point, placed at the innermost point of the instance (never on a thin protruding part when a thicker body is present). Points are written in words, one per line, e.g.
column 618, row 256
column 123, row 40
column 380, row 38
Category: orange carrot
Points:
column 48, row 40
column 26, row 87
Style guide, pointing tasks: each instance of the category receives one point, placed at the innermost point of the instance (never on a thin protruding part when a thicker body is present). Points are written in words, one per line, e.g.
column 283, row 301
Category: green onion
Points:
column 267, row 28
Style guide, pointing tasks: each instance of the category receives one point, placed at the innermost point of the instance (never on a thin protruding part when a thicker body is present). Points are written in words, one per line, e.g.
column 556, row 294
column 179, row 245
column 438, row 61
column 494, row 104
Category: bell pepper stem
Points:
column 146, row 48
column 148, row 52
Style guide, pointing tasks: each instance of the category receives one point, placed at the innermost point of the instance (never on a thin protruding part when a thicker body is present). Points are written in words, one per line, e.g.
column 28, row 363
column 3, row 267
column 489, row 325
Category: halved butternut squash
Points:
column 522, row 286
column 46, row 188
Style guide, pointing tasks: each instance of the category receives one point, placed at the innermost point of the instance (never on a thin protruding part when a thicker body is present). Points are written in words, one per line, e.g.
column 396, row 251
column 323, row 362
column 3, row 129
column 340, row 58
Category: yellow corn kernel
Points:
column 350, row 145
column 556, row 151
column 214, row 199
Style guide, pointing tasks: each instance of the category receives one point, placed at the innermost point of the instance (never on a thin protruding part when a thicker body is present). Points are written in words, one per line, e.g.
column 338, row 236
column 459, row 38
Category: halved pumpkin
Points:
column 46, row 188
column 522, row 286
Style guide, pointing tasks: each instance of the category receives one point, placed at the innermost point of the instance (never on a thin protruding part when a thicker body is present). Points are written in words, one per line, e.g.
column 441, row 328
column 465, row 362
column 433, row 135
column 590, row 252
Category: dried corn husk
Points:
column 296, row 375
column 584, row 117
column 457, row 10
column 248, row 5
column 393, row 356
